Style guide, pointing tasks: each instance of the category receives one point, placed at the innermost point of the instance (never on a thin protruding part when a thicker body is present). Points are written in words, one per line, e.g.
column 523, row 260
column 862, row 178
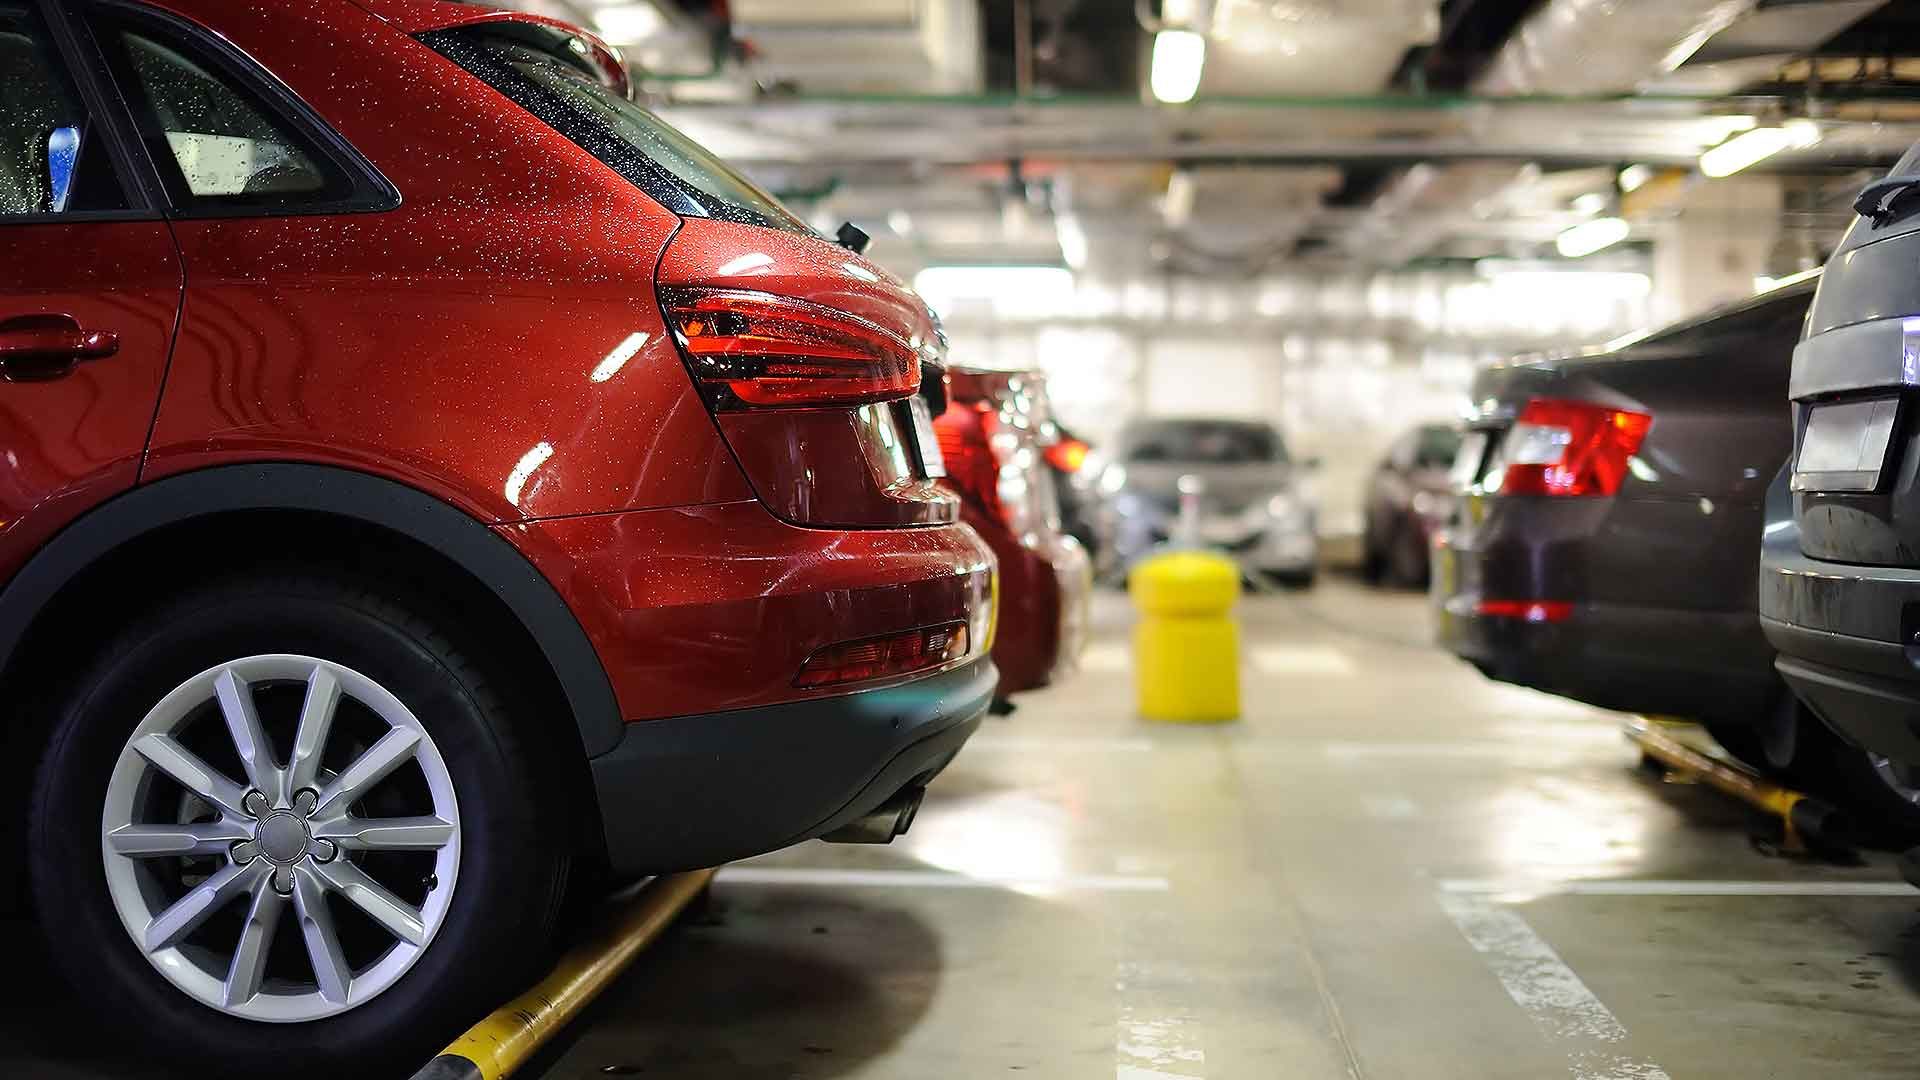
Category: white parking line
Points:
column 1498, row 750
column 1320, row 660
column 1390, row 807
column 935, row 879
column 1648, row 887
column 1547, row 990
column 1043, row 744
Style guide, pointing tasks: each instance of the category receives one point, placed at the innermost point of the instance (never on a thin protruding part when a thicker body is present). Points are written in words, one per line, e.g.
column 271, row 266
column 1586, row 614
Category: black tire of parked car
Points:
column 1407, row 561
column 498, row 928
column 1847, row 777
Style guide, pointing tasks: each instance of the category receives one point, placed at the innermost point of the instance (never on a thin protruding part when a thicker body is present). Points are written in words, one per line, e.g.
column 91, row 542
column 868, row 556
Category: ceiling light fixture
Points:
column 1589, row 203
column 1757, row 145
column 1072, row 238
column 1177, row 205
column 1178, row 57
column 628, row 24
column 1038, row 287
column 1635, row 177
column 1590, row 236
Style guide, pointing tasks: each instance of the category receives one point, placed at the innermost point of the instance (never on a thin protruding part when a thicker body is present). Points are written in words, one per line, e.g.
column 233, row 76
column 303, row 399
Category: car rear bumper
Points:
column 1646, row 660
column 1841, row 631
column 697, row 791
column 1616, row 647
column 703, row 609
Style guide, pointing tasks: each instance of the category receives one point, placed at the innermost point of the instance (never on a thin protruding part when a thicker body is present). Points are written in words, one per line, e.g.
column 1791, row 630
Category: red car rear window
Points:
column 538, row 68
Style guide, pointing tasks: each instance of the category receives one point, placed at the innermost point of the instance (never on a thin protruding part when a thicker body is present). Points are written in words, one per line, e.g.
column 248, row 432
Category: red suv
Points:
column 425, row 471
column 995, row 439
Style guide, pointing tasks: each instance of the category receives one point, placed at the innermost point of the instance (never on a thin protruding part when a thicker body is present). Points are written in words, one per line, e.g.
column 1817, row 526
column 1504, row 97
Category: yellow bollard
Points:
column 1186, row 646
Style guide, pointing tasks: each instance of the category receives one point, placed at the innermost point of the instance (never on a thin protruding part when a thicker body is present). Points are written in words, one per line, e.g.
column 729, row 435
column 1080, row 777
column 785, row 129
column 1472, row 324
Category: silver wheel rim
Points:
column 1899, row 778
column 280, row 847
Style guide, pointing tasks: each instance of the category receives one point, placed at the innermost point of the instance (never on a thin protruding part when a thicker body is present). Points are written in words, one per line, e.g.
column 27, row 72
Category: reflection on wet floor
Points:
column 1390, row 868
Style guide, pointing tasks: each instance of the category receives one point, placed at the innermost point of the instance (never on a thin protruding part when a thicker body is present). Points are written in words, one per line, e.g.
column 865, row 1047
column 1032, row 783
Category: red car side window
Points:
column 50, row 160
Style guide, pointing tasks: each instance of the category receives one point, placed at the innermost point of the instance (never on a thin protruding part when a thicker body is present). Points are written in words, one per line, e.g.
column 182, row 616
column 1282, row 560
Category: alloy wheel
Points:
column 281, row 891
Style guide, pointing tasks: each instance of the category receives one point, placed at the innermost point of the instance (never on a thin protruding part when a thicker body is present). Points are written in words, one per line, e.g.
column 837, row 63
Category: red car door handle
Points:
column 47, row 346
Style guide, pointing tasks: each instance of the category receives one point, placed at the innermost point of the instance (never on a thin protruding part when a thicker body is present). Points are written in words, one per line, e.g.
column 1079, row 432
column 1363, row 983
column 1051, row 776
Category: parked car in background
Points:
column 1840, row 574
column 1409, row 496
column 1253, row 505
column 1609, row 528
column 995, row 437
column 531, row 490
column 1071, row 457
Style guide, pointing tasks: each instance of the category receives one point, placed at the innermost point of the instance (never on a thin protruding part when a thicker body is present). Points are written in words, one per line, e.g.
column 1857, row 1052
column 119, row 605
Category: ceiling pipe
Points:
column 1566, row 47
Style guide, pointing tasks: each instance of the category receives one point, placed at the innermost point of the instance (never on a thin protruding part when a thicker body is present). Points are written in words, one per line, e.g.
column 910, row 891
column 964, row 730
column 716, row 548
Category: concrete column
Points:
column 1719, row 240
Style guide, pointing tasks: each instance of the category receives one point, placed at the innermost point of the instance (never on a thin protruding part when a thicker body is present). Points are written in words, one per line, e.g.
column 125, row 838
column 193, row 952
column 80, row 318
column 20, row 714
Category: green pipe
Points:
column 1438, row 102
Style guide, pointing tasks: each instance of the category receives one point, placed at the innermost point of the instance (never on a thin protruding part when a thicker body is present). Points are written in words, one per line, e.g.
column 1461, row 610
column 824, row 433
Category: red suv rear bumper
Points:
column 702, row 617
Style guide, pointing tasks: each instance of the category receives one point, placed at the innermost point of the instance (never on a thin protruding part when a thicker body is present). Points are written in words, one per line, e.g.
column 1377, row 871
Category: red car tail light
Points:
column 1528, row 610
column 990, row 460
column 1067, row 455
column 963, row 432
column 1570, row 448
column 877, row 658
column 757, row 349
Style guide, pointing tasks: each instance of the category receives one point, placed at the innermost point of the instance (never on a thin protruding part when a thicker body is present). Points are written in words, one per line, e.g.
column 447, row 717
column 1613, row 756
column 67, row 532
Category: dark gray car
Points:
column 1608, row 528
column 1840, row 575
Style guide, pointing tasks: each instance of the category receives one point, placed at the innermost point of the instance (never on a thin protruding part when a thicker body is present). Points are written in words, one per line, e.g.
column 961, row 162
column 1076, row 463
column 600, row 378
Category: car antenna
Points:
column 852, row 237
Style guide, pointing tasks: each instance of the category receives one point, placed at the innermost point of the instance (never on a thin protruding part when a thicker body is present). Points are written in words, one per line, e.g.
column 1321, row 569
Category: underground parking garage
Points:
column 946, row 538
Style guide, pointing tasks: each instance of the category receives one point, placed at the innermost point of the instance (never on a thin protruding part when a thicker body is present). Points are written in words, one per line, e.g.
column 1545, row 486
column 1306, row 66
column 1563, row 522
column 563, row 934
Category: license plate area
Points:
column 1844, row 446
column 926, row 445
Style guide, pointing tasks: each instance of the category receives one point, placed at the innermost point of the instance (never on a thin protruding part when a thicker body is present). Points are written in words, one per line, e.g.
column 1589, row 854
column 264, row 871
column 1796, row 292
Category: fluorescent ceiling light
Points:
column 1758, row 145
column 1073, row 240
column 1716, row 128
column 1590, row 236
column 1634, row 177
column 1178, row 57
column 1177, row 205
column 1561, row 284
column 899, row 221
column 1590, row 203
column 1035, row 288
column 627, row 24
column 1723, row 15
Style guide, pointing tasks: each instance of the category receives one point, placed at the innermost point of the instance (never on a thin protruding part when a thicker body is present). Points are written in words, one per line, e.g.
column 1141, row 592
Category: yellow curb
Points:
column 513, row 1033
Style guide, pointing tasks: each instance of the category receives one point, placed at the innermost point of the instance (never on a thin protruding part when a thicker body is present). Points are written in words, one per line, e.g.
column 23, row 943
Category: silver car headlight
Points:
column 1288, row 511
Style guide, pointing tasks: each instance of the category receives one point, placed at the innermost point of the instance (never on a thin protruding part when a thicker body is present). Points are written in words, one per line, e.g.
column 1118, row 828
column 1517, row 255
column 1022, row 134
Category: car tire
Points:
column 1408, row 560
column 479, row 938
column 1373, row 565
column 1744, row 744
column 1293, row 580
column 1882, row 796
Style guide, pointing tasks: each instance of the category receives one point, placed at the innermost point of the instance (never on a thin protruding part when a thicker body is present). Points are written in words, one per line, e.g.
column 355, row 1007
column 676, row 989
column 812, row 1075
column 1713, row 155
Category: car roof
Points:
column 421, row 16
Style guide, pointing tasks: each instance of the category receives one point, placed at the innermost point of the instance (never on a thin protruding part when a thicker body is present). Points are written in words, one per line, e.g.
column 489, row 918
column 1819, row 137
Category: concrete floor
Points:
column 1386, row 870
column 1390, row 868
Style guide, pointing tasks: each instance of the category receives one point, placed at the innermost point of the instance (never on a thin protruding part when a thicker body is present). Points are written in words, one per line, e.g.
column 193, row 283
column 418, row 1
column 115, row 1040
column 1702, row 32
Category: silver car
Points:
column 1251, row 505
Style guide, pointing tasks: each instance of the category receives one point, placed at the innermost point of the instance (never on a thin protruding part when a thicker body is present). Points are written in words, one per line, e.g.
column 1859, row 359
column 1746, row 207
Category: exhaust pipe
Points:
column 883, row 823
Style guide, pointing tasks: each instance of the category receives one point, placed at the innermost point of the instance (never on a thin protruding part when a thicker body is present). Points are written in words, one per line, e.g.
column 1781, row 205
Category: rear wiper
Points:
column 1886, row 201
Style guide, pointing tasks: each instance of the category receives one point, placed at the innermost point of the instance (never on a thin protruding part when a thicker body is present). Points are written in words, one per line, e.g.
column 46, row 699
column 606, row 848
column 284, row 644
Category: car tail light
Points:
column 995, row 463
column 1527, row 610
column 1570, row 448
column 877, row 658
column 1067, row 455
column 756, row 349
